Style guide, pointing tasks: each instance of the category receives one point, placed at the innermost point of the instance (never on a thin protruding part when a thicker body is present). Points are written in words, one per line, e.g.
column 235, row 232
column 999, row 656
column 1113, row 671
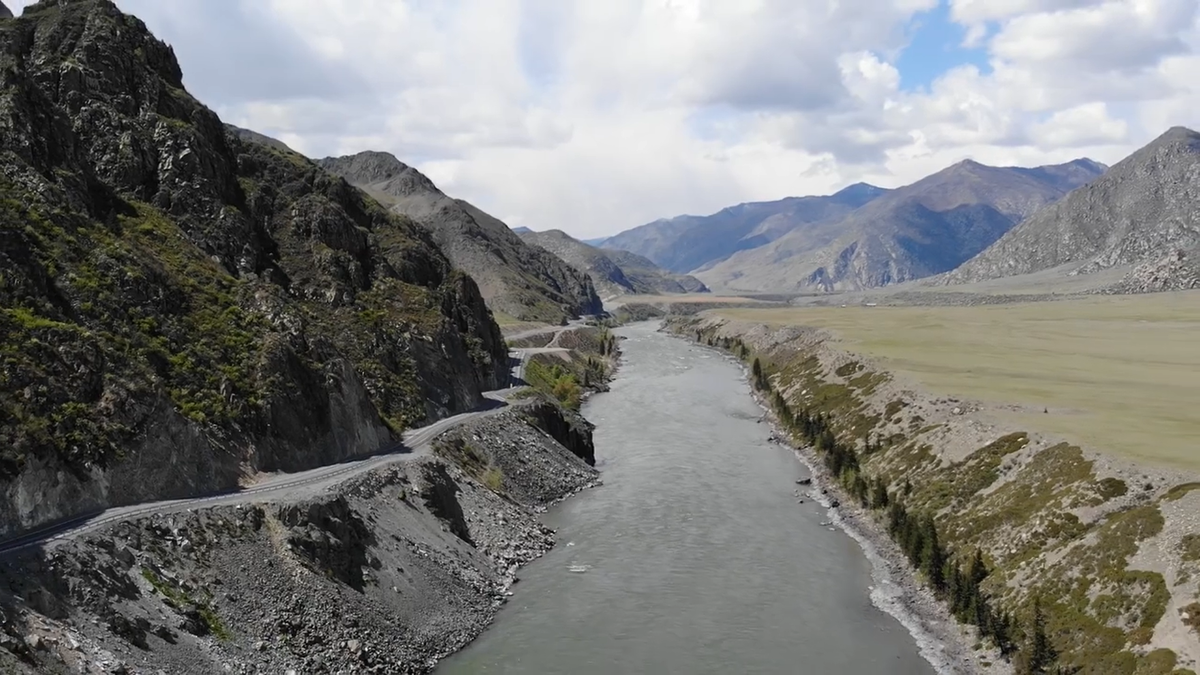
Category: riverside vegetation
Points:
column 585, row 362
column 1050, row 553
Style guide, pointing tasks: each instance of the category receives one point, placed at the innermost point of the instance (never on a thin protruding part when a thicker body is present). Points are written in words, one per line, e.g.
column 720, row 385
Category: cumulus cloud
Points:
column 596, row 116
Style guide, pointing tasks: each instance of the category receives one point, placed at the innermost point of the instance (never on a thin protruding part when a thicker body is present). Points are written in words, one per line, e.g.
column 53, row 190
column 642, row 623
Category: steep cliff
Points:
column 179, row 307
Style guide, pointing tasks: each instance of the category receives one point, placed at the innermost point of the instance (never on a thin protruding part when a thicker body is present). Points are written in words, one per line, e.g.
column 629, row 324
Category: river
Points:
column 694, row 557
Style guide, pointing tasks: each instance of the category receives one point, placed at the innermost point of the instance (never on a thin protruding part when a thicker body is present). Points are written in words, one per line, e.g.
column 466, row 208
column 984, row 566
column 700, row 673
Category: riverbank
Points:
column 389, row 571
column 950, row 647
column 1104, row 542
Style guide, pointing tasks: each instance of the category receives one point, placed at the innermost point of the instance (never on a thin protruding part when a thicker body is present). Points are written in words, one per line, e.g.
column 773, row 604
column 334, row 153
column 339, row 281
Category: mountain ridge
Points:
column 516, row 279
column 179, row 307
column 614, row 272
column 686, row 244
column 1141, row 210
column 907, row 233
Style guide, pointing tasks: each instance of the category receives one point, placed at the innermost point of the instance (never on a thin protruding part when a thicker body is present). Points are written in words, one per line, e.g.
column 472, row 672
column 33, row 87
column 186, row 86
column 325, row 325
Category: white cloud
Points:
column 593, row 116
column 1082, row 126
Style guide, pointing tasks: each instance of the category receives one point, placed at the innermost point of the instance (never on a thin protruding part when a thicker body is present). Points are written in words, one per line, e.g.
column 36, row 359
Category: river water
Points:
column 694, row 557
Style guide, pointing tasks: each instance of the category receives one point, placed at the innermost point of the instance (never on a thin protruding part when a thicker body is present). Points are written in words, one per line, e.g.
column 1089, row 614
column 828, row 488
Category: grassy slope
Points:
column 1048, row 521
column 1121, row 369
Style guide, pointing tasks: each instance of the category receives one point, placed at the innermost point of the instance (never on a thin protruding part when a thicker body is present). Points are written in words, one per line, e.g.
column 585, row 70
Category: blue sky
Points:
column 935, row 46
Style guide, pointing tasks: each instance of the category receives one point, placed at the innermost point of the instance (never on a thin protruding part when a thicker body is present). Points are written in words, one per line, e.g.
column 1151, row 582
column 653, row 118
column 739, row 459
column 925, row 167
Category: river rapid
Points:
column 694, row 557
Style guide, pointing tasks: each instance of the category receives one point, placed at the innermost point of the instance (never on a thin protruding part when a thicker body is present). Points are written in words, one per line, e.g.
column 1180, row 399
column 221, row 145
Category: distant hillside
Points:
column 689, row 243
column 518, row 280
column 1144, row 211
column 614, row 272
column 255, row 137
column 909, row 233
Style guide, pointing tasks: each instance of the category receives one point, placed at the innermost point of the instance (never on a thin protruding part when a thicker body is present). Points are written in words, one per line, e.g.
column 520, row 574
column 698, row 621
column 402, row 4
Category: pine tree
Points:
column 879, row 498
column 1039, row 655
column 933, row 557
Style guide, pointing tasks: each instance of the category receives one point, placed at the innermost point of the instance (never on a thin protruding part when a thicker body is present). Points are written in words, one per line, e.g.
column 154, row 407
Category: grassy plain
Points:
column 1118, row 373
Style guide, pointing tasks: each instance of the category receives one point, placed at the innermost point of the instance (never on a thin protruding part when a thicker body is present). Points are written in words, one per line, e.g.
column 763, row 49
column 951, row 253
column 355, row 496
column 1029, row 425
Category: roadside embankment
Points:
column 1015, row 533
column 386, row 572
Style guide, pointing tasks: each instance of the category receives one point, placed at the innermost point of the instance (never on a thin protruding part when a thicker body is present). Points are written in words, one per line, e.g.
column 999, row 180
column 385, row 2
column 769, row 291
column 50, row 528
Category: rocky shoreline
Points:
column 946, row 644
column 385, row 573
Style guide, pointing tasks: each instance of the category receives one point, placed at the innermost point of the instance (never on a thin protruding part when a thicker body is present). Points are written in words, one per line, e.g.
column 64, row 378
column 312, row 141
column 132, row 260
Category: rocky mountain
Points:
column 5, row 12
column 179, row 307
column 689, row 243
column 614, row 272
column 518, row 280
column 912, row 232
column 1141, row 211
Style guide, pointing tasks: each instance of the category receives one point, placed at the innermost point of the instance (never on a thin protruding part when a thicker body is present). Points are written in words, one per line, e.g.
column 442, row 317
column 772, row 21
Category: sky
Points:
column 594, row 116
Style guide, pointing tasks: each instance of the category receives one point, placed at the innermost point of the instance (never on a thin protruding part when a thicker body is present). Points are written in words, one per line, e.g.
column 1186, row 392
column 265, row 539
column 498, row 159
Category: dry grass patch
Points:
column 1115, row 372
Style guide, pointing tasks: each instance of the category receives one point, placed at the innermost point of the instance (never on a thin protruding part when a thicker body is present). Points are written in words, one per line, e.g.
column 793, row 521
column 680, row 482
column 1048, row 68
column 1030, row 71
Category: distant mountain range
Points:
column 614, row 272
column 860, row 237
column 521, row 281
column 689, row 243
column 912, row 232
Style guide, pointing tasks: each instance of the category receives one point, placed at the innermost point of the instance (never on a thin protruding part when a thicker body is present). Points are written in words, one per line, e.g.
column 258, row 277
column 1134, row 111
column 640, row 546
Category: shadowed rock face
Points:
column 520, row 280
column 179, row 306
column 331, row 537
column 1142, row 210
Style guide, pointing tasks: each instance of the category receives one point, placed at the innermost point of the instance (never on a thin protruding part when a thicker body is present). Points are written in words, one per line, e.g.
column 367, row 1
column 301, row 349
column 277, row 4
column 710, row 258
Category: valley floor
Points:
column 1117, row 373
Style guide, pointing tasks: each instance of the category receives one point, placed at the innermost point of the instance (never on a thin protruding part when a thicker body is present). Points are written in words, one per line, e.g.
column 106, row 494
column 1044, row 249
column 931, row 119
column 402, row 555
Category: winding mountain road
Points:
column 282, row 487
column 303, row 484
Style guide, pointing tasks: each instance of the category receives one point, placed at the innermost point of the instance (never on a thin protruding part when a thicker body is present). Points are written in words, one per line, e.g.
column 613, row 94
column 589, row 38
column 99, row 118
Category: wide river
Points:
column 694, row 557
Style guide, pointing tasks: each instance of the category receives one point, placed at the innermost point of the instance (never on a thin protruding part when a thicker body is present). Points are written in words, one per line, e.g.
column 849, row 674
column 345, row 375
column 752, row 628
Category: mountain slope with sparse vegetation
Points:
column 518, row 280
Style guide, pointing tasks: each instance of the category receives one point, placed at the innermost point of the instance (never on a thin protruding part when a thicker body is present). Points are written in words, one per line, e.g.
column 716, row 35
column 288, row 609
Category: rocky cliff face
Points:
column 517, row 279
column 179, row 307
column 1141, row 211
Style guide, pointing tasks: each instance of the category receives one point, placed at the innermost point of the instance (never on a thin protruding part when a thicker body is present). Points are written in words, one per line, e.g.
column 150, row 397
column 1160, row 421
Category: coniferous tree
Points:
column 1038, row 655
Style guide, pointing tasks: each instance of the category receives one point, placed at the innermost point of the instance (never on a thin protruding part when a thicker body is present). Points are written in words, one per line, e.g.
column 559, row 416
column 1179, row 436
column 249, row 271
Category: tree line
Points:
column 955, row 580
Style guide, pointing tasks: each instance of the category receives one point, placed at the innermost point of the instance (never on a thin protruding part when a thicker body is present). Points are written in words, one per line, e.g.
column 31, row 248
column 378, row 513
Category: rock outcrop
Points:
column 178, row 306
column 1178, row 270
